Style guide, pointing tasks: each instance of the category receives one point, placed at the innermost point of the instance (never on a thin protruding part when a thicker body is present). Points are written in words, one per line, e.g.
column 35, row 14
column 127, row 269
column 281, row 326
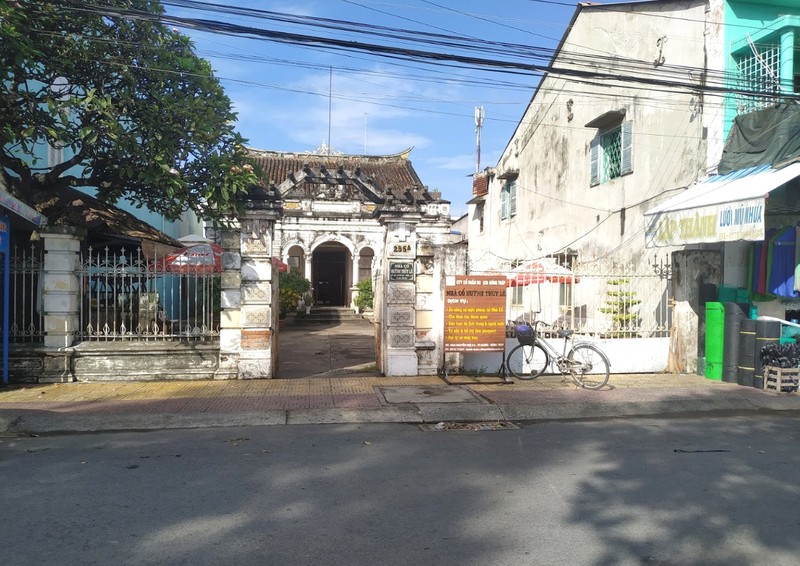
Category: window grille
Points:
column 611, row 154
column 55, row 154
column 759, row 73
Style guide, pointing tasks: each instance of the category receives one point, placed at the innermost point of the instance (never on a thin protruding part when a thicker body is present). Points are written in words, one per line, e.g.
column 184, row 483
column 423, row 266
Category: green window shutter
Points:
column 512, row 199
column 594, row 163
column 627, row 148
column 504, row 202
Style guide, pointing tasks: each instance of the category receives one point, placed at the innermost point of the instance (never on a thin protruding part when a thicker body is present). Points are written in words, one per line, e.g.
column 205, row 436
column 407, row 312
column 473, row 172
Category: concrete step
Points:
column 330, row 315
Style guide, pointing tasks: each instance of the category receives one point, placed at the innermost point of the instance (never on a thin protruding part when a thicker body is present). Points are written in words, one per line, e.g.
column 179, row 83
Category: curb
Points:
column 27, row 422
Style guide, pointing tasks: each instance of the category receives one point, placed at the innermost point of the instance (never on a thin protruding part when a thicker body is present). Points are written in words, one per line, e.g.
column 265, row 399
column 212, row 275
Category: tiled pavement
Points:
column 339, row 392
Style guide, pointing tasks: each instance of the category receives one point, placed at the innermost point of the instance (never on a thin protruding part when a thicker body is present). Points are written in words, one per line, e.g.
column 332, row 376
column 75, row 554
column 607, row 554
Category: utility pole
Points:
column 479, row 115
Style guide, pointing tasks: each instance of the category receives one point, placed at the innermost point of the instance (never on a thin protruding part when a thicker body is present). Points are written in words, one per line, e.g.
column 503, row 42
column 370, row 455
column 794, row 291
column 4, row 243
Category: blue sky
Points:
column 284, row 94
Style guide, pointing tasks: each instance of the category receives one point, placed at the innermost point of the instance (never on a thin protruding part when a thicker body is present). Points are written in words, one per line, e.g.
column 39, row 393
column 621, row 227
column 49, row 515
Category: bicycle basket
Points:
column 525, row 334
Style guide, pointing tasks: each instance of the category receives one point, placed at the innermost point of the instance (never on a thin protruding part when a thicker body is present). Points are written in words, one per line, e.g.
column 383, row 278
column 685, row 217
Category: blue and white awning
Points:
column 721, row 208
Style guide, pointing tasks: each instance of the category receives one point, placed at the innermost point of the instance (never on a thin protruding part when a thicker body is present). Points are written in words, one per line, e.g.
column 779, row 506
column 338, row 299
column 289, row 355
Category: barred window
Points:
column 759, row 71
column 55, row 154
column 611, row 154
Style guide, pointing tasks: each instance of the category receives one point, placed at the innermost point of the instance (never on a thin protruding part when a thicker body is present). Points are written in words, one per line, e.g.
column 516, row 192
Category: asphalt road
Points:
column 627, row 491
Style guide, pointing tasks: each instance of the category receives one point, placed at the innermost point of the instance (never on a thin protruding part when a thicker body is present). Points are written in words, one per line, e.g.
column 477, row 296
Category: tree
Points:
column 142, row 117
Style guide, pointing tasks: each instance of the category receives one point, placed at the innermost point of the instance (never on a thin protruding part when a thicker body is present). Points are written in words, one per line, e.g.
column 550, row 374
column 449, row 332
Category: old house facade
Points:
column 340, row 219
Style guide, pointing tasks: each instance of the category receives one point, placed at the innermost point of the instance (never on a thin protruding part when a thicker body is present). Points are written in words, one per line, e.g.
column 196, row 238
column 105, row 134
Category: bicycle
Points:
column 585, row 362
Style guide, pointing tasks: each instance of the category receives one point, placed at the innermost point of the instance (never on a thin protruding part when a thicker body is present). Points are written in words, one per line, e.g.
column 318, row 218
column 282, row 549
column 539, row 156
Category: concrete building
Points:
column 635, row 107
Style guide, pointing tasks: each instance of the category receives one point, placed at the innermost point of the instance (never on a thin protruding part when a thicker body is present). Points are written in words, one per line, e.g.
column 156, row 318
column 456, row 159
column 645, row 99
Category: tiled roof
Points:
column 384, row 171
column 66, row 206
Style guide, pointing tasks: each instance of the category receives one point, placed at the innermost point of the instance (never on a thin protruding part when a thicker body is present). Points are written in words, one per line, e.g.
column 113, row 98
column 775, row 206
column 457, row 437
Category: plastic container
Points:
column 715, row 340
column 726, row 294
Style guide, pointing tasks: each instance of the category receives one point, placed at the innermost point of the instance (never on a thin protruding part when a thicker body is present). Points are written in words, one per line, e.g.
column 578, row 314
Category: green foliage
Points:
column 140, row 116
column 288, row 300
column 292, row 286
column 620, row 303
column 364, row 296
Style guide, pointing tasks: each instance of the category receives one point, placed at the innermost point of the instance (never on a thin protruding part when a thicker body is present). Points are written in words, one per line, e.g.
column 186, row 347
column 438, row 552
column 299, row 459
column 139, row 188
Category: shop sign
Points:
column 725, row 222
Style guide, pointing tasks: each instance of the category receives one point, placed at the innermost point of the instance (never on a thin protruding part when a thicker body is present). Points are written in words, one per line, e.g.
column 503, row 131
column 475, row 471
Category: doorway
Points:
column 329, row 266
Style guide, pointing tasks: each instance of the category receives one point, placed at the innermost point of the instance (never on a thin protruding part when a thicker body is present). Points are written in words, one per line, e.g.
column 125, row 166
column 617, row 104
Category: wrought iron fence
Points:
column 25, row 316
column 127, row 296
column 598, row 298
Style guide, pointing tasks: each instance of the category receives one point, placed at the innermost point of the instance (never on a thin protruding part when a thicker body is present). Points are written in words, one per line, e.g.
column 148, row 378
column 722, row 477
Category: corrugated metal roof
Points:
column 65, row 206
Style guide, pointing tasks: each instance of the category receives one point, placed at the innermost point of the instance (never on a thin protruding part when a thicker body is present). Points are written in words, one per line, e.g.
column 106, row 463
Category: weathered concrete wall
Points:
column 550, row 150
column 118, row 361
column 145, row 361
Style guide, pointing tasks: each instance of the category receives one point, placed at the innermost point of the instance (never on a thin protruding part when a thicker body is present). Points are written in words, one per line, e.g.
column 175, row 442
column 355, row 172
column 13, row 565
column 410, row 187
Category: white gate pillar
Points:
column 399, row 297
column 60, row 297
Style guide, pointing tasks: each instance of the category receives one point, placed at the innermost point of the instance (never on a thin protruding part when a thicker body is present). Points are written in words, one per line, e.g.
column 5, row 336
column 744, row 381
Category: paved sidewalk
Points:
column 344, row 396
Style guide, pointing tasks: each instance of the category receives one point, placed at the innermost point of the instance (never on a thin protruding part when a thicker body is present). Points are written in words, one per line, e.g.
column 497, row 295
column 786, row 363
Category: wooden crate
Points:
column 781, row 380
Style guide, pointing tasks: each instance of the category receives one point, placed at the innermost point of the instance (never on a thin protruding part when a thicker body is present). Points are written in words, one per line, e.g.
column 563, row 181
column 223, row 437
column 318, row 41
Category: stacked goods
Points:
column 780, row 363
column 781, row 355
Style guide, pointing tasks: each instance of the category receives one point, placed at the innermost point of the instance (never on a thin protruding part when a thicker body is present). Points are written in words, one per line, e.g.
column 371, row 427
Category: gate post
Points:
column 398, row 314
column 230, row 330
column 258, row 356
column 60, row 295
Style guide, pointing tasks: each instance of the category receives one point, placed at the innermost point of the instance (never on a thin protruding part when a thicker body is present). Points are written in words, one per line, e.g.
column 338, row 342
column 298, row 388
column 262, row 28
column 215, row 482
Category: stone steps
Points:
column 330, row 316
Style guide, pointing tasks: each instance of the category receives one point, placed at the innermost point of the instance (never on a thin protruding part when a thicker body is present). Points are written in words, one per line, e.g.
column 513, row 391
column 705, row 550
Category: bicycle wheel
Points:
column 588, row 366
column 527, row 362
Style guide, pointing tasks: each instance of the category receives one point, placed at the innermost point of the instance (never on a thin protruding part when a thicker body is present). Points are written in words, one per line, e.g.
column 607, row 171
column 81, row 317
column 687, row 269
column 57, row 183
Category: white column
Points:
column 354, row 281
column 61, row 285
column 60, row 301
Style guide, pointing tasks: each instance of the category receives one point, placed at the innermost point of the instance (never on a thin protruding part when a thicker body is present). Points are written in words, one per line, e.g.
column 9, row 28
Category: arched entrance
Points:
column 330, row 275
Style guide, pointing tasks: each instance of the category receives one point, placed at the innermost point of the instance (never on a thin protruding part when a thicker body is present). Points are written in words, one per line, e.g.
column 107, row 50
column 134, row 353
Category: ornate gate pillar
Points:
column 398, row 313
column 249, row 322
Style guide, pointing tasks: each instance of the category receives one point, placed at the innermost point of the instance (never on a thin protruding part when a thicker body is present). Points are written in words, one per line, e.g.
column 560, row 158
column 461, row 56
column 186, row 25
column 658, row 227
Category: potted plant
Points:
column 308, row 300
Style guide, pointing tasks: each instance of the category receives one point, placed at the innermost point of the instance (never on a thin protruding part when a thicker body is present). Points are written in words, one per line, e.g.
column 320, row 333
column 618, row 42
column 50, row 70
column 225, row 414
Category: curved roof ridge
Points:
column 308, row 154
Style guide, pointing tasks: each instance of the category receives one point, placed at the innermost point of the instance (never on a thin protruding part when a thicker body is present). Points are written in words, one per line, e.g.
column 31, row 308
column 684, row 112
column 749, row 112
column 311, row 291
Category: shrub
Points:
column 291, row 287
column 364, row 297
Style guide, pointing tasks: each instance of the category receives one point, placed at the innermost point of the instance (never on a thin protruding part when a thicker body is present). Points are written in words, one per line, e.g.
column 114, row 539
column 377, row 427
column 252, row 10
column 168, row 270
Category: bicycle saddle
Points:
column 564, row 333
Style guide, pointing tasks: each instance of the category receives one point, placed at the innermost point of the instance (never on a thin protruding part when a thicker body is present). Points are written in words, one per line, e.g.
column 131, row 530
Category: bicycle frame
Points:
column 583, row 361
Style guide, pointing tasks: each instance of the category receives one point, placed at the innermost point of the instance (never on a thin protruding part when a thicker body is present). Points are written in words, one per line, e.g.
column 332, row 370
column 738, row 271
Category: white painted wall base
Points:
column 401, row 363
column 634, row 355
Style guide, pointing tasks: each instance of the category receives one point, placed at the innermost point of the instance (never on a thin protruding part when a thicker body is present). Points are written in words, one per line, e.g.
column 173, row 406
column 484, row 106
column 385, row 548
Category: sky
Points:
column 296, row 97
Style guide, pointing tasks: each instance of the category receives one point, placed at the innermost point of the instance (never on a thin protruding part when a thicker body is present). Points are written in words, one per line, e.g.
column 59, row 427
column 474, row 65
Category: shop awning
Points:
column 722, row 208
